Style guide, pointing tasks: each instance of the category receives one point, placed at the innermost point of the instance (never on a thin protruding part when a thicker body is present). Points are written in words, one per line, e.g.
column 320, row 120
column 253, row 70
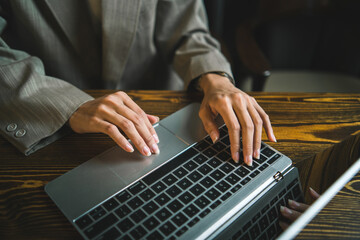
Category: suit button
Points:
column 20, row 133
column 11, row 127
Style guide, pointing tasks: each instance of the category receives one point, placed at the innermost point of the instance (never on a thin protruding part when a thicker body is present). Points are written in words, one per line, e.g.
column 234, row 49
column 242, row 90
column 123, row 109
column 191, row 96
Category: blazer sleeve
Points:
column 183, row 37
column 33, row 107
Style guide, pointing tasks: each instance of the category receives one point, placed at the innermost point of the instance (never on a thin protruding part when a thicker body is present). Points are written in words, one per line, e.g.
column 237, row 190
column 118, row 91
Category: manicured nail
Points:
column 156, row 138
column 129, row 148
column 146, row 151
column 236, row 157
column 274, row 137
column 249, row 160
column 285, row 210
column 213, row 136
column 155, row 148
column 257, row 154
column 293, row 203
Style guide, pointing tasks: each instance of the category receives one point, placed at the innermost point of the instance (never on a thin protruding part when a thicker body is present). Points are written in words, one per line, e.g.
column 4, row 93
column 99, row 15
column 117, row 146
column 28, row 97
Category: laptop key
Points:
column 242, row 172
column 267, row 152
column 193, row 222
column 214, row 162
column 217, row 175
column 272, row 214
column 158, row 187
column 155, row 236
column 173, row 191
column 232, row 179
column 138, row 232
column 138, row 216
column 263, row 223
column 147, row 195
column 184, row 184
column 175, row 206
column 226, row 167
column 195, row 176
column 163, row 214
column 162, row 199
column 167, row 228
column 271, row 232
column 111, row 234
column 219, row 146
column 210, row 152
column 254, row 232
column 202, row 202
column 111, row 204
column 222, row 186
column 191, row 210
column 151, row 223
column 200, row 158
column 263, row 167
column 213, row 194
column 101, row 225
column 236, row 188
column 98, row 213
column 180, row 172
column 190, row 165
column 204, row 213
column 135, row 203
column 179, row 219
column 137, row 187
column 123, row 196
column 186, row 197
column 245, row 181
column 207, row 182
column 225, row 196
column 205, row 169
column 197, row 189
column 181, row 231
column 122, row 211
column 150, row 207
column 274, row 158
column 125, row 225
column 223, row 156
column 254, row 174
column 202, row 145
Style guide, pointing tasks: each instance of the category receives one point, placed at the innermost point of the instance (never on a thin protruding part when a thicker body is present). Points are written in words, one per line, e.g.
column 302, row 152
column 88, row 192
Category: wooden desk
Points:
column 304, row 124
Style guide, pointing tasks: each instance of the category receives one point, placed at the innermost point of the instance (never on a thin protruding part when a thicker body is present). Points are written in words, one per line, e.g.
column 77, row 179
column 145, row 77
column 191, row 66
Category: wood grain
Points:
column 304, row 124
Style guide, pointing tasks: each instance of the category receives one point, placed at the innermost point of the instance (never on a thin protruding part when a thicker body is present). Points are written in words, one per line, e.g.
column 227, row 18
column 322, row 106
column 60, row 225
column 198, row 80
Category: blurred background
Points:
column 290, row 45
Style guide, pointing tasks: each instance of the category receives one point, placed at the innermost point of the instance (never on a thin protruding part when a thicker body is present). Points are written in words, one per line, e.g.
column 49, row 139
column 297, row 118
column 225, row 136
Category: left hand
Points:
column 240, row 112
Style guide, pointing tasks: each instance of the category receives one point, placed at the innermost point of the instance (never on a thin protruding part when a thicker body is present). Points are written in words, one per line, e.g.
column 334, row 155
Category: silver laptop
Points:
column 191, row 190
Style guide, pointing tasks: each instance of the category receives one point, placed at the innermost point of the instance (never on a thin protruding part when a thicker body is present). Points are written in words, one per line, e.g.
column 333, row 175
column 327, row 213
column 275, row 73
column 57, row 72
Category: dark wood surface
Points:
column 304, row 125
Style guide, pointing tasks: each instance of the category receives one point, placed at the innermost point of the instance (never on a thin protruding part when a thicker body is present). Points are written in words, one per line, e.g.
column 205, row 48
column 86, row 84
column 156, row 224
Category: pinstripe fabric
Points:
column 49, row 51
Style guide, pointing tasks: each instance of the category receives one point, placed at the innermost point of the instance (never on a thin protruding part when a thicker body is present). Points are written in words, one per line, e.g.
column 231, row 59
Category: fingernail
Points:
column 257, row 154
column 156, row 138
column 155, row 148
column 293, row 203
column 249, row 160
column 285, row 210
column 146, row 151
column 213, row 136
column 274, row 137
column 236, row 157
column 129, row 148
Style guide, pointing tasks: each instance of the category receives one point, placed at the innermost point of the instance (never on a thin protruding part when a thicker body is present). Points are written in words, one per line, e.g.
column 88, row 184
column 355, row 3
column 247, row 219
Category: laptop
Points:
column 191, row 190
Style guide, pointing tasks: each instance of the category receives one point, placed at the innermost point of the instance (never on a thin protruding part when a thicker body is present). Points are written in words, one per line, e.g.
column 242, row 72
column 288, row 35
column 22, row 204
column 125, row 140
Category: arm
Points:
column 39, row 105
column 182, row 34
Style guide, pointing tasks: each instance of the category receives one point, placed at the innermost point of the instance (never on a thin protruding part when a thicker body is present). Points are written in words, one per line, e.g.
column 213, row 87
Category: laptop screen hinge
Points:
column 278, row 176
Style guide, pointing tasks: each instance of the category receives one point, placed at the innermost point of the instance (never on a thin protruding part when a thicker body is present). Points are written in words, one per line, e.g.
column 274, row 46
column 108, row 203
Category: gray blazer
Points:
column 49, row 50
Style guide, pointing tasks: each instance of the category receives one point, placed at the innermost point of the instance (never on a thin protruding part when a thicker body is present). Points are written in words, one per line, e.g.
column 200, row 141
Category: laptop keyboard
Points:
column 264, row 223
column 173, row 198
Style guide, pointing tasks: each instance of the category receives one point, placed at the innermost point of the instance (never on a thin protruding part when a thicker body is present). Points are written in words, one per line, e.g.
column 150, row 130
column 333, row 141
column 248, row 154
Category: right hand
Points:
column 109, row 113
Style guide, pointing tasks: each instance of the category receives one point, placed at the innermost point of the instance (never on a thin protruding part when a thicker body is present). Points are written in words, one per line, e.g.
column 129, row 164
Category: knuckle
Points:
column 101, row 109
column 258, row 122
column 248, row 127
column 126, row 125
column 234, row 126
column 110, row 129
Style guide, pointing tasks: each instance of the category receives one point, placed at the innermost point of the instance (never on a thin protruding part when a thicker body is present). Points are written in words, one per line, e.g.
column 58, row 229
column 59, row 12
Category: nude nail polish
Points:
column 155, row 149
column 146, row 151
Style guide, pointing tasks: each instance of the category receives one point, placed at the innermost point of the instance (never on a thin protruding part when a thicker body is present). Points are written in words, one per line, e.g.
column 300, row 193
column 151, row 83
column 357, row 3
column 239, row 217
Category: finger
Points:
column 134, row 126
column 292, row 215
column 143, row 116
column 210, row 126
column 258, row 124
column 247, row 128
column 266, row 121
column 233, row 125
column 300, row 207
column 313, row 193
column 153, row 119
column 283, row 225
column 112, row 131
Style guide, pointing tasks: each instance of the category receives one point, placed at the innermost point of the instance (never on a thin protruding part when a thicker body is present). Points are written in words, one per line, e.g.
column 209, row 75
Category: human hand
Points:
column 240, row 112
column 295, row 209
column 109, row 113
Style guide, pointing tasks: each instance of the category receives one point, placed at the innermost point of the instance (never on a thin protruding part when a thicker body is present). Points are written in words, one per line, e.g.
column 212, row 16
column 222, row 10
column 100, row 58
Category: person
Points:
column 50, row 50
column 294, row 210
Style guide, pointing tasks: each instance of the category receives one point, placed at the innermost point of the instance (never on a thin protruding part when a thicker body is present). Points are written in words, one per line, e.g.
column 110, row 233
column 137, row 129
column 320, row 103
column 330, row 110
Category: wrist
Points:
column 214, row 79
